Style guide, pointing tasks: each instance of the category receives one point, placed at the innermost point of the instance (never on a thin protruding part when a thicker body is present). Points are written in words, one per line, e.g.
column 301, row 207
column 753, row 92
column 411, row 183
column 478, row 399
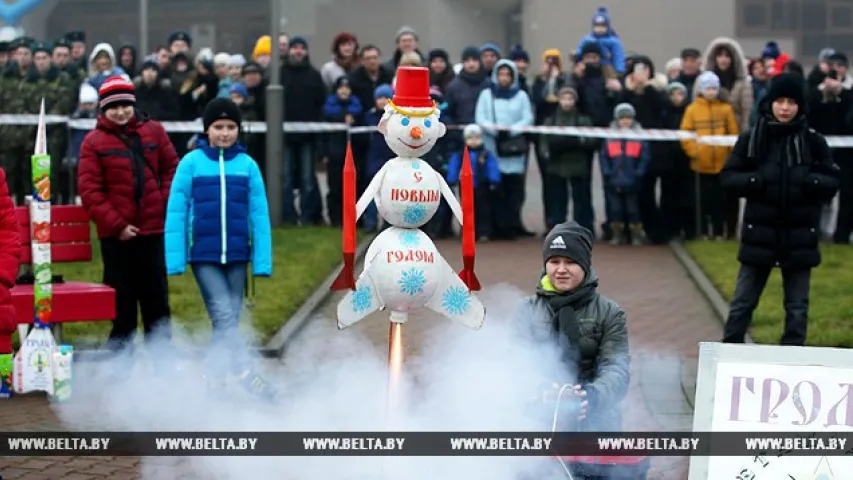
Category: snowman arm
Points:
column 370, row 192
column 447, row 192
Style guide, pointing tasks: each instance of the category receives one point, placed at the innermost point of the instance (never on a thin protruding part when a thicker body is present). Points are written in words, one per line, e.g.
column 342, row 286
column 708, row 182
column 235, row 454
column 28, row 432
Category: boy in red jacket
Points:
column 124, row 175
column 10, row 257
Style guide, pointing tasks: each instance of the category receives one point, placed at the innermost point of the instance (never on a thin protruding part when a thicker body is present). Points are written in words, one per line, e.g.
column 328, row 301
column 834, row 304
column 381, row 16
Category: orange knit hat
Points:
column 551, row 52
column 262, row 47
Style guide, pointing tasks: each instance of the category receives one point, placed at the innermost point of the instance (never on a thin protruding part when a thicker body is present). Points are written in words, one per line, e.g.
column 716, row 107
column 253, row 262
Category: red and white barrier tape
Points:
column 652, row 135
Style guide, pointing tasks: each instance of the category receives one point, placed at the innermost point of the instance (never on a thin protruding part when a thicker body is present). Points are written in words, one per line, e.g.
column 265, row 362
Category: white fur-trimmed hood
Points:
column 739, row 63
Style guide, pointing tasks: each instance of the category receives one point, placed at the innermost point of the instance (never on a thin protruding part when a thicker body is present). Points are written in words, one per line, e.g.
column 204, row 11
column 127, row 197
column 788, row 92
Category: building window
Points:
column 784, row 15
column 754, row 15
column 813, row 43
column 814, row 15
column 842, row 43
column 842, row 16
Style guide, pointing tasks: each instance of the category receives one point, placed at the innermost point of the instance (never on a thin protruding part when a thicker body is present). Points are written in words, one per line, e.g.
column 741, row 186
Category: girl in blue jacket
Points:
column 217, row 220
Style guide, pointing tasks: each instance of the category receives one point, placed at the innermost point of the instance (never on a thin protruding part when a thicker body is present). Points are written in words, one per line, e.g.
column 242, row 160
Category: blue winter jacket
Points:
column 99, row 79
column 612, row 51
column 217, row 211
column 624, row 163
column 225, row 88
column 512, row 109
column 484, row 166
column 335, row 110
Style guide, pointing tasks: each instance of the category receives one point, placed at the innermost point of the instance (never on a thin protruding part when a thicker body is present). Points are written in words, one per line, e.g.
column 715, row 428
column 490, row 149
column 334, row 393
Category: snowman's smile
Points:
column 413, row 147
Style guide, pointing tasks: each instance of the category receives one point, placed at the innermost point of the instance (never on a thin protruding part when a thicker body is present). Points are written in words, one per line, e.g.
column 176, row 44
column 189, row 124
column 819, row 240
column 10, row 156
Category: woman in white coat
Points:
column 505, row 104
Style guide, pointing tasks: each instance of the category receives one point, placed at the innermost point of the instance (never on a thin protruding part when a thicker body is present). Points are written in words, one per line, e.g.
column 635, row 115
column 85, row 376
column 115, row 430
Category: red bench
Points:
column 71, row 242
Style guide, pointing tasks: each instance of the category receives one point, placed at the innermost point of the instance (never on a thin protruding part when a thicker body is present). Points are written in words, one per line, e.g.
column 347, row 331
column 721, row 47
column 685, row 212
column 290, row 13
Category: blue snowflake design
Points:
column 416, row 165
column 361, row 299
column 456, row 300
column 409, row 238
column 412, row 282
column 414, row 214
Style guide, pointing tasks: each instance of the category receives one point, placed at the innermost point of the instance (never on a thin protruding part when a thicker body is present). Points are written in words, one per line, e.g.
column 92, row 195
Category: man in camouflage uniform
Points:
column 46, row 81
column 61, row 58
column 15, row 139
column 79, row 57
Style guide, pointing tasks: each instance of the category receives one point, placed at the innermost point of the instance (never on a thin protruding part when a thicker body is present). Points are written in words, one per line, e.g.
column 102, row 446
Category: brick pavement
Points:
column 667, row 318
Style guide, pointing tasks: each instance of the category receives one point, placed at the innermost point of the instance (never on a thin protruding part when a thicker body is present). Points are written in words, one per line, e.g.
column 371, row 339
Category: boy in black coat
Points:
column 785, row 171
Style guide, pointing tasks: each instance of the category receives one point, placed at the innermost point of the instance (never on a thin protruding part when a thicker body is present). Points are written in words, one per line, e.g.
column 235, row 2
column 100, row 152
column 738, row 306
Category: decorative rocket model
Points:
column 33, row 364
column 466, row 184
column 403, row 268
column 346, row 279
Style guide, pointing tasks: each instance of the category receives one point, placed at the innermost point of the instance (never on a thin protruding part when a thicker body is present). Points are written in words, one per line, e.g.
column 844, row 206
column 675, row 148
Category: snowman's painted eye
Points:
column 405, row 122
column 427, row 123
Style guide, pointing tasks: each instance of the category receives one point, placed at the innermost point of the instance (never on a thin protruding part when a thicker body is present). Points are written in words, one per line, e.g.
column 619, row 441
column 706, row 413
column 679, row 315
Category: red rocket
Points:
column 346, row 279
column 469, row 246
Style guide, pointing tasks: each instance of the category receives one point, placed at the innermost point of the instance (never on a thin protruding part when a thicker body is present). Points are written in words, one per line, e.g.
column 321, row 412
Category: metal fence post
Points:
column 275, row 122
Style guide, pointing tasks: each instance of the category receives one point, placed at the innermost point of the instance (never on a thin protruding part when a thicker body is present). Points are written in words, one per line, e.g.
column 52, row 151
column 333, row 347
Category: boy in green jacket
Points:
column 568, row 163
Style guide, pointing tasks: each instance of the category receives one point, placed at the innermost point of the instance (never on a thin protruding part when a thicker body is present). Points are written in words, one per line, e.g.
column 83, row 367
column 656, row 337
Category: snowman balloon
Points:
column 403, row 269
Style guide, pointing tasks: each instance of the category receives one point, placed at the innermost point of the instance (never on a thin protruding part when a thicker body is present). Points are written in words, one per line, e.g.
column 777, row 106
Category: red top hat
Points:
column 412, row 89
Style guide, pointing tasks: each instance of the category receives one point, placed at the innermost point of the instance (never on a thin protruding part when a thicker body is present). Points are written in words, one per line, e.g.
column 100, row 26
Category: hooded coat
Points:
column 740, row 95
column 97, row 78
column 595, row 349
column 505, row 107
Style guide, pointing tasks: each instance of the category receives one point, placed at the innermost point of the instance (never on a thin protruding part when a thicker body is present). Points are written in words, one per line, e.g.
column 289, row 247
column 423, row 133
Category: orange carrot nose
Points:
column 416, row 132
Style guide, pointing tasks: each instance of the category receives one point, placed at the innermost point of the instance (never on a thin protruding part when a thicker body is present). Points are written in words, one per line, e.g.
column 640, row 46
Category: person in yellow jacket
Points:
column 708, row 115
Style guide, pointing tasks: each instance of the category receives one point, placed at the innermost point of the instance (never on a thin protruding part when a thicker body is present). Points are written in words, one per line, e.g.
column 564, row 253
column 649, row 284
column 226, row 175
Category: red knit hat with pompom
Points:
column 116, row 91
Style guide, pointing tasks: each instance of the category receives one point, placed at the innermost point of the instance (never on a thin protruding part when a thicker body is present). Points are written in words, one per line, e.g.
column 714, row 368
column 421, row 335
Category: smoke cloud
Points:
column 454, row 379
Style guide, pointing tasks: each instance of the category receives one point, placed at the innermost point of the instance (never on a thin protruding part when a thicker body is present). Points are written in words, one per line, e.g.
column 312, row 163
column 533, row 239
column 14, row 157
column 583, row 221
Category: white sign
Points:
column 760, row 388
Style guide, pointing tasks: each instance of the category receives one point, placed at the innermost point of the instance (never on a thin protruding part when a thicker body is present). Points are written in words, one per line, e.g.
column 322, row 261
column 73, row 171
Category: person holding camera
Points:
column 644, row 90
column 830, row 102
column 545, row 95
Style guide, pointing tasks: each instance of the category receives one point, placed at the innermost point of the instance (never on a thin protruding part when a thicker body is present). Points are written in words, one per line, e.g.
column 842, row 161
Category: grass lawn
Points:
column 831, row 301
column 302, row 258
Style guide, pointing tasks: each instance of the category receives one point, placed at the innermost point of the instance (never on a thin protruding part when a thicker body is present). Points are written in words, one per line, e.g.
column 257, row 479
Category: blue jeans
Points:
column 222, row 289
column 299, row 173
column 623, row 205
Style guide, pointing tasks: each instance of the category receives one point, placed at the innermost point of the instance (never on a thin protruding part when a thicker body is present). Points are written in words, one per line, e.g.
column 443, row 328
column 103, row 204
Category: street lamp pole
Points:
column 275, row 122
column 143, row 27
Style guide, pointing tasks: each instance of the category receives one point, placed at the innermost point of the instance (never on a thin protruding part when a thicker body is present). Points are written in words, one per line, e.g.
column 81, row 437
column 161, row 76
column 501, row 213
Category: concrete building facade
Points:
column 659, row 28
